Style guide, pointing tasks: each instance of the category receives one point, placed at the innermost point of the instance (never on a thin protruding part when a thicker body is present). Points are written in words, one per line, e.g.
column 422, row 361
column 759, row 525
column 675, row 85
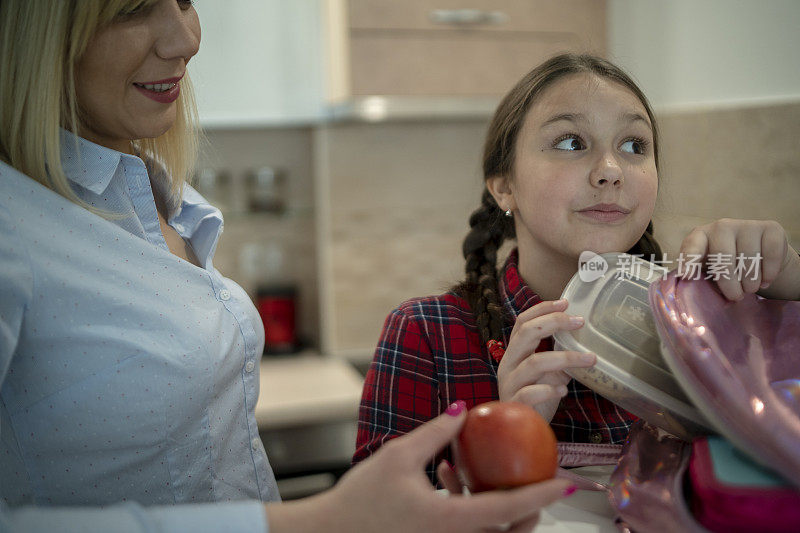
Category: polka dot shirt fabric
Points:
column 123, row 368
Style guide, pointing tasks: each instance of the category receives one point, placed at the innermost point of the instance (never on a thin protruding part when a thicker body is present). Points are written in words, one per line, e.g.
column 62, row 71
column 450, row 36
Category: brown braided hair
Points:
column 489, row 229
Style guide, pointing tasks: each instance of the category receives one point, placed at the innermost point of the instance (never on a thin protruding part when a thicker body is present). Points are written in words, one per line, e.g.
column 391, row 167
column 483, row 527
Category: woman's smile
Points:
column 163, row 91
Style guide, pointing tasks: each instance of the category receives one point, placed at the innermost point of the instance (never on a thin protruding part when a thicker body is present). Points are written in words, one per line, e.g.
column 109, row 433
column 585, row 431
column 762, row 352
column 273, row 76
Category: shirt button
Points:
column 255, row 444
column 224, row 295
column 596, row 438
column 179, row 228
column 250, row 366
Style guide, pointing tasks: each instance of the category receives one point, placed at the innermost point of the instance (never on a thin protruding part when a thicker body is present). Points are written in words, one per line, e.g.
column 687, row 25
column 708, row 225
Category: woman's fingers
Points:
column 514, row 506
column 525, row 526
column 415, row 449
column 448, row 477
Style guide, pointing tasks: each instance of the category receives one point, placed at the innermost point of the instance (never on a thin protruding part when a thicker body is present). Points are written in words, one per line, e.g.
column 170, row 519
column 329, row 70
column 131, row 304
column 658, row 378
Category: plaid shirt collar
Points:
column 515, row 294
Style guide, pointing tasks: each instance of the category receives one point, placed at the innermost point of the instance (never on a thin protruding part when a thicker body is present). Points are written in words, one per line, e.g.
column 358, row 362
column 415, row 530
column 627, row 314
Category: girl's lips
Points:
column 163, row 97
column 600, row 215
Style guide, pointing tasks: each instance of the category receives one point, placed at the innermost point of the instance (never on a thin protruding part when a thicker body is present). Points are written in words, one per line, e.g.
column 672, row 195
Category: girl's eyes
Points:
column 634, row 146
column 572, row 143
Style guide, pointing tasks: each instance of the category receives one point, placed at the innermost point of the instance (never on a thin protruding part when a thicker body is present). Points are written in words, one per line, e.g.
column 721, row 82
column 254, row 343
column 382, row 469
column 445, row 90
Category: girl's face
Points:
column 127, row 81
column 584, row 173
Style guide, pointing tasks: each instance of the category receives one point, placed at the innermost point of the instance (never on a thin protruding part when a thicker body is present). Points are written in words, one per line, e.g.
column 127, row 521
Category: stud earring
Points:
column 509, row 213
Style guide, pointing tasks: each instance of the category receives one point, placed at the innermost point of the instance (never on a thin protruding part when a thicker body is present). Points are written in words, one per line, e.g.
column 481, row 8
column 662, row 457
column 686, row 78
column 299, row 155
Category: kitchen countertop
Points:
column 307, row 388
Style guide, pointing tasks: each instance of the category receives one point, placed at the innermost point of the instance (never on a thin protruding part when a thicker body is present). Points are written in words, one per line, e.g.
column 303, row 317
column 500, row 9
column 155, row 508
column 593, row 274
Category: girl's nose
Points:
column 606, row 171
column 179, row 33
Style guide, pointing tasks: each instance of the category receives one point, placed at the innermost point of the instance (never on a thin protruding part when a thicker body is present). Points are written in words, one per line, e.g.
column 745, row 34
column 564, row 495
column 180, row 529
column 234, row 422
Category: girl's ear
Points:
column 500, row 189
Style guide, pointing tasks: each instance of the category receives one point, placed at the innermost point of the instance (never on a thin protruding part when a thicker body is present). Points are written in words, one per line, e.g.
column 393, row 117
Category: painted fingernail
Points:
column 576, row 321
column 456, row 408
column 569, row 491
column 449, row 465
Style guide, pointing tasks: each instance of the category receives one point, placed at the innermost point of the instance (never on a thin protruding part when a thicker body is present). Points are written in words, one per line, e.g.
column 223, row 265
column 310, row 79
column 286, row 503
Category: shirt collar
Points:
column 88, row 164
column 515, row 294
column 200, row 223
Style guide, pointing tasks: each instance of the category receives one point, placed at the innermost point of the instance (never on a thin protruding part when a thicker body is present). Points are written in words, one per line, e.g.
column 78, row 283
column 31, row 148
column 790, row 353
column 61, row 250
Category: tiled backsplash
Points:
column 398, row 195
column 731, row 163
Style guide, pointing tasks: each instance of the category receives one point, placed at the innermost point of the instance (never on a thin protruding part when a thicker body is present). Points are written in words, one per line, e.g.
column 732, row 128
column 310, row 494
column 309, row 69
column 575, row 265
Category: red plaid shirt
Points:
column 430, row 355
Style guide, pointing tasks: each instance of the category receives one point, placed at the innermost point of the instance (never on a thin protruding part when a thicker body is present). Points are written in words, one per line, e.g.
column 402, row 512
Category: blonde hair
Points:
column 40, row 44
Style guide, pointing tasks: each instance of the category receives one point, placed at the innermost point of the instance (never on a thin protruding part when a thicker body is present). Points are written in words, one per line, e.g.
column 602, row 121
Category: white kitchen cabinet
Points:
column 260, row 62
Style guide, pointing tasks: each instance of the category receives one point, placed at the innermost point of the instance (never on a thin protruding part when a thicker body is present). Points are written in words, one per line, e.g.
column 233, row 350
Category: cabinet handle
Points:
column 466, row 17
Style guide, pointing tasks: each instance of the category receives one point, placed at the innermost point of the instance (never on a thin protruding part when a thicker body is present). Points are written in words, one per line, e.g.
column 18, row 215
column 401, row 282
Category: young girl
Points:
column 570, row 164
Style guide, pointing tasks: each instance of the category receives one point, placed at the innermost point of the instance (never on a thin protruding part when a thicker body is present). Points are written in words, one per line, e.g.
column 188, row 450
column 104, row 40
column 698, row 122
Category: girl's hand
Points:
column 727, row 242
column 538, row 379
column 390, row 492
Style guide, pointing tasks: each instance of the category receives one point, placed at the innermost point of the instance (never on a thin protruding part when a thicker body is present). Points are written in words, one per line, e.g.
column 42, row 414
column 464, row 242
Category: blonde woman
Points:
column 127, row 383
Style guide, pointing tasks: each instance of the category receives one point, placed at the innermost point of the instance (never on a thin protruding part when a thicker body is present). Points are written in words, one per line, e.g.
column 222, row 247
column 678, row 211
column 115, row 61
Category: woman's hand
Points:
column 390, row 492
column 728, row 248
column 539, row 379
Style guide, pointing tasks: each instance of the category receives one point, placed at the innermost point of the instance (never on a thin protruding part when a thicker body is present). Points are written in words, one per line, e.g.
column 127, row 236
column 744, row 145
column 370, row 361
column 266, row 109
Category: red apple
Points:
column 504, row 445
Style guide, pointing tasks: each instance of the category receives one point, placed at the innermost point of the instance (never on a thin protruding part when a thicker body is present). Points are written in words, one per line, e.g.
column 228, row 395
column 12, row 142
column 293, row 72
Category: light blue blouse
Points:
column 128, row 376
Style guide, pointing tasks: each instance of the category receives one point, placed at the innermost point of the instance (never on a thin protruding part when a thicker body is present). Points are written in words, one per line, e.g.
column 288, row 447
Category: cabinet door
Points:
column 260, row 62
column 462, row 47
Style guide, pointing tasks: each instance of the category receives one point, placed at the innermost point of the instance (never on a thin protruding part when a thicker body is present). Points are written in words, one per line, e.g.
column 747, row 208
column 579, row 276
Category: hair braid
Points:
column 489, row 229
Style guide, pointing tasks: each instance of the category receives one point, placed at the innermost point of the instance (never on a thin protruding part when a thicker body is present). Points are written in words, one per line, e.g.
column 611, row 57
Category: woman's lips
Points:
column 163, row 97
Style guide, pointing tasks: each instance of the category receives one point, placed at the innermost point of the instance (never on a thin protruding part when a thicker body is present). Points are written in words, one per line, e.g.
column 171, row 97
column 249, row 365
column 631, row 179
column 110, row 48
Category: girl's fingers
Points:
column 719, row 260
column 541, row 309
column 449, row 479
column 527, row 336
column 537, row 365
column 747, row 269
column 694, row 244
column 539, row 393
column 773, row 252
